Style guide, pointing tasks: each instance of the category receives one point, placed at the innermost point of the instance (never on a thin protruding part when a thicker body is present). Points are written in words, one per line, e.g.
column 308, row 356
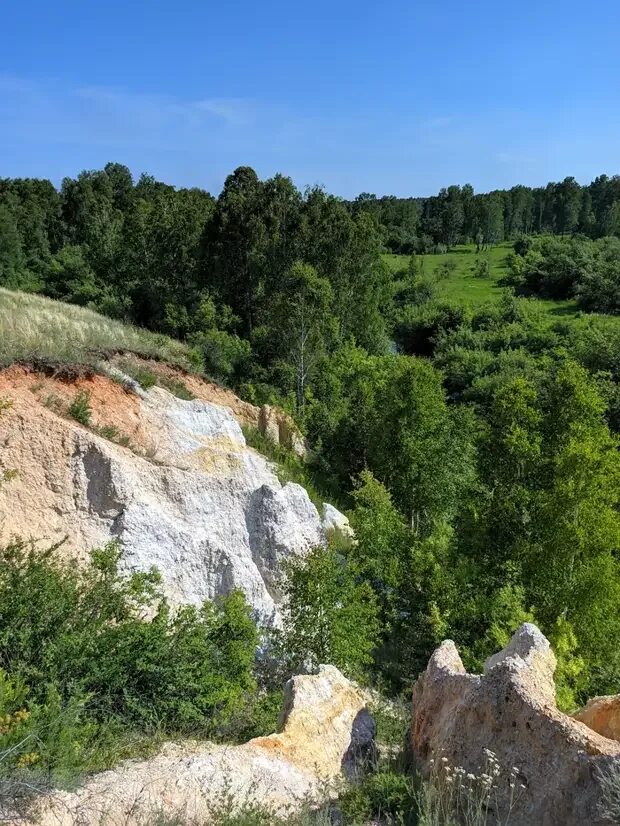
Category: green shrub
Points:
column 329, row 615
column 482, row 268
column 90, row 671
column 138, row 372
column 177, row 387
column 388, row 796
column 320, row 486
column 5, row 474
column 224, row 356
column 148, row 378
column 112, row 433
column 80, row 408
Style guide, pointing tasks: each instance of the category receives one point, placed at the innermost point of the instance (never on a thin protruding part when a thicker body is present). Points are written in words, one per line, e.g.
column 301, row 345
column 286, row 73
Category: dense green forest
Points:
column 476, row 449
column 456, row 214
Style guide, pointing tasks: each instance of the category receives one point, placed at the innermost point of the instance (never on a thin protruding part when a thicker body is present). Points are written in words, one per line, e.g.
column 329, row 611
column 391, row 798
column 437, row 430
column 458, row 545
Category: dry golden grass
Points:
column 35, row 328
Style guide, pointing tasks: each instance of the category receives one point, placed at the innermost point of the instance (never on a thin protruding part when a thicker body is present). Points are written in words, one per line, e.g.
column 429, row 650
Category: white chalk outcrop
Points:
column 189, row 497
column 336, row 523
column 553, row 762
column 326, row 731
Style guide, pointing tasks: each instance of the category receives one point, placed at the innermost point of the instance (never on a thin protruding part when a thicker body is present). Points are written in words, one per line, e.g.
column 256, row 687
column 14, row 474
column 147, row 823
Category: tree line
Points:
column 260, row 280
column 458, row 215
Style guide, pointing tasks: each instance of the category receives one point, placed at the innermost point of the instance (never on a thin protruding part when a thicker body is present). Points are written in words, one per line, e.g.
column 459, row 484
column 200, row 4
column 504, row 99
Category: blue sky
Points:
column 393, row 97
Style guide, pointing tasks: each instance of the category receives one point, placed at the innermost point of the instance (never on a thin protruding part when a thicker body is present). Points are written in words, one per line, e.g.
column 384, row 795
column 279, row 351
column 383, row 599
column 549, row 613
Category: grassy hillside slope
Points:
column 36, row 329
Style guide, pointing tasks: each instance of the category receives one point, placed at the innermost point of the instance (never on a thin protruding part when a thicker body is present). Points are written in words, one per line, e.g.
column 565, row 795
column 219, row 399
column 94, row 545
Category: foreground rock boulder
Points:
column 501, row 734
column 326, row 731
column 171, row 479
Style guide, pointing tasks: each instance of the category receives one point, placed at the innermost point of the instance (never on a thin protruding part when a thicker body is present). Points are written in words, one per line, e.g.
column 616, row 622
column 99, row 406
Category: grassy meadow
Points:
column 464, row 286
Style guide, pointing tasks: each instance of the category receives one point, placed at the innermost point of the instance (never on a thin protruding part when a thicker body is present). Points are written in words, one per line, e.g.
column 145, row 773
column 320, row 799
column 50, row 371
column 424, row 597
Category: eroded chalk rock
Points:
column 280, row 428
column 336, row 523
column 325, row 731
column 553, row 761
column 187, row 495
column 602, row 714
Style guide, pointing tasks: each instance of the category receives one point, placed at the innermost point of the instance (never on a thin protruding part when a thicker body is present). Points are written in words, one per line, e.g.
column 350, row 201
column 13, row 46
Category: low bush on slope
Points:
column 82, row 674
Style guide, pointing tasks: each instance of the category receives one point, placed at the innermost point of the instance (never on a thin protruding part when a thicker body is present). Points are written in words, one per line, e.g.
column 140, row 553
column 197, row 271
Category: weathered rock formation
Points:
column 325, row 730
column 272, row 422
column 336, row 523
column 279, row 428
column 187, row 495
column 602, row 714
column 553, row 761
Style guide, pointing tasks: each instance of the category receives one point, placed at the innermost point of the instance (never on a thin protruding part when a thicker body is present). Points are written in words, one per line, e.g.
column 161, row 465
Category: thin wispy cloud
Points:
column 236, row 111
column 117, row 117
column 184, row 141
column 514, row 158
column 231, row 111
column 51, row 129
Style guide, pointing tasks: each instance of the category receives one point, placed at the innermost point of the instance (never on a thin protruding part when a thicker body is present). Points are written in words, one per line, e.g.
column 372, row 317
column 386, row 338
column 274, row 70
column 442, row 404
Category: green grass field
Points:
column 463, row 286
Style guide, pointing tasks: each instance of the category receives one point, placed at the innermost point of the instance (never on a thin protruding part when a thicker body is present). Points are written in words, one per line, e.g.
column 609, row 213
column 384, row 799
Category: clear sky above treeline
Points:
column 400, row 97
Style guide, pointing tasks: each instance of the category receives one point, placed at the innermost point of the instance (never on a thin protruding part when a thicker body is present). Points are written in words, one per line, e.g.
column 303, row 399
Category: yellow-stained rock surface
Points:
column 325, row 731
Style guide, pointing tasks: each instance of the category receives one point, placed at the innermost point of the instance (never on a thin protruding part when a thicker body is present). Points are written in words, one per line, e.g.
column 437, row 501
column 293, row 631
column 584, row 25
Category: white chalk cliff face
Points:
column 190, row 498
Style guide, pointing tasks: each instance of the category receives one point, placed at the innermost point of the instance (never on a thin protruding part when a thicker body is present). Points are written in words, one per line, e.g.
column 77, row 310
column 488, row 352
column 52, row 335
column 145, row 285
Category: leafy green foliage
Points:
column 80, row 408
column 320, row 486
column 79, row 655
column 114, row 435
column 176, row 386
column 330, row 614
column 138, row 372
column 6, row 474
column 477, row 438
column 387, row 794
column 389, row 414
column 570, row 267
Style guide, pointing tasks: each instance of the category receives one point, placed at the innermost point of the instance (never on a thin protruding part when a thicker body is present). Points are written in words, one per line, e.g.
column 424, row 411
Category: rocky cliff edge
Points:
column 172, row 480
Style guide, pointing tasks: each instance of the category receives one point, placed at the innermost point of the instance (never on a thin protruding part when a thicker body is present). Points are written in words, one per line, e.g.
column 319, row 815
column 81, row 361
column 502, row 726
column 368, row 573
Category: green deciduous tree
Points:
column 85, row 634
column 303, row 323
column 12, row 259
column 330, row 614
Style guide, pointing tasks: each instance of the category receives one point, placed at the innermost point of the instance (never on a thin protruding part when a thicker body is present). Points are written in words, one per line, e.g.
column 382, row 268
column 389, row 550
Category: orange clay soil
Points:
column 111, row 404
